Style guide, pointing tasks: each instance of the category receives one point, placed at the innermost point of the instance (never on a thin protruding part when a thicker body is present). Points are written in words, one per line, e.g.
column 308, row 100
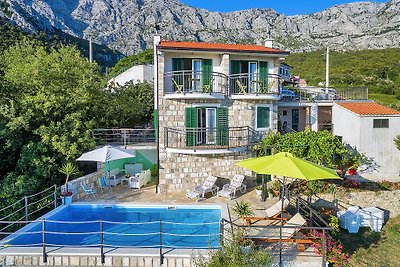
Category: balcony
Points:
column 190, row 84
column 255, row 86
column 321, row 94
column 209, row 140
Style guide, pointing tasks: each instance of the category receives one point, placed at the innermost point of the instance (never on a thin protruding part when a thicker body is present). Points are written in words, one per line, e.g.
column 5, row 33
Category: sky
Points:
column 287, row 7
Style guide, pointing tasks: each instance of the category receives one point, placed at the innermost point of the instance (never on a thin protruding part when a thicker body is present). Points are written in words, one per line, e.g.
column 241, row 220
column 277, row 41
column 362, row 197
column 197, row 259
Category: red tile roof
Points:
column 368, row 108
column 219, row 47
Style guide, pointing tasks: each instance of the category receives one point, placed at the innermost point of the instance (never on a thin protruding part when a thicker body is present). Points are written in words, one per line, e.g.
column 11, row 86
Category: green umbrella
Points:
column 286, row 165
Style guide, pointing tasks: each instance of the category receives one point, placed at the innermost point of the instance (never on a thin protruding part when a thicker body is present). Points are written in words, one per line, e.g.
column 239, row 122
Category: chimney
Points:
column 269, row 40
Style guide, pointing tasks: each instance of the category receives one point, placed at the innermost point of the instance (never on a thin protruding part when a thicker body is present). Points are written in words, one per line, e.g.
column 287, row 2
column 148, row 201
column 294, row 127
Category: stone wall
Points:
column 131, row 261
column 385, row 200
column 90, row 180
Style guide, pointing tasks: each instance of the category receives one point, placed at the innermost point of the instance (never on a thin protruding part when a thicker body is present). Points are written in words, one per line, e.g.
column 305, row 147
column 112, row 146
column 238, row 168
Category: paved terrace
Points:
column 147, row 194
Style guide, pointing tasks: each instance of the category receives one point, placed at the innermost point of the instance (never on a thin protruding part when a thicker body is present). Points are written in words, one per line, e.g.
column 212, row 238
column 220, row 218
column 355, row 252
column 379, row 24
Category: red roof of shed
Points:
column 368, row 108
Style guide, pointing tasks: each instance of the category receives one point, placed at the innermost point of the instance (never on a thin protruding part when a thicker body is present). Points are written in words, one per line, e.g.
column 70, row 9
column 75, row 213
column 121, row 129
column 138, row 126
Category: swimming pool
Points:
column 92, row 225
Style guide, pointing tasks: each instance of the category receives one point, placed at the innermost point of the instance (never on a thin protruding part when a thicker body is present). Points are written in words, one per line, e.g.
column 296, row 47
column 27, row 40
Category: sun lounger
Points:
column 200, row 190
column 289, row 231
column 229, row 190
column 271, row 213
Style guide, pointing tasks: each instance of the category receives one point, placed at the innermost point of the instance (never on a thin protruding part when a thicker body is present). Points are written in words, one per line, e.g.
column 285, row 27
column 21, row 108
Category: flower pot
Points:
column 66, row 200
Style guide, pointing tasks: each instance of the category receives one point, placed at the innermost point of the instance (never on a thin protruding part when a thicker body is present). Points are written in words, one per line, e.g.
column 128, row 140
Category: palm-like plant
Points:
column 243, row 209
column 69, row 169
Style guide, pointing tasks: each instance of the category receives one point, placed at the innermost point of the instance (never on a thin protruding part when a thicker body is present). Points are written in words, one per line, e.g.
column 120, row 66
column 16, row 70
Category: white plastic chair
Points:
column 229, row 190
column 200, row 190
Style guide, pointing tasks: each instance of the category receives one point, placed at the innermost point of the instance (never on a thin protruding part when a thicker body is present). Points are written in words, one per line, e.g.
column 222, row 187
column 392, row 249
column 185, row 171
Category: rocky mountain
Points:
column 128, row 25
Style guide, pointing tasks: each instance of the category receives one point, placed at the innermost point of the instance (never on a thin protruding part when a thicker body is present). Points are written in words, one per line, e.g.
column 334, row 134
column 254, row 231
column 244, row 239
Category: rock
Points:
column 128, row 25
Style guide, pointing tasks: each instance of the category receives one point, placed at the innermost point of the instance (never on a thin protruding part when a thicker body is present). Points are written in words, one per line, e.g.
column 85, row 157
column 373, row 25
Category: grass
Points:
column 367, row 248
column 383, row 98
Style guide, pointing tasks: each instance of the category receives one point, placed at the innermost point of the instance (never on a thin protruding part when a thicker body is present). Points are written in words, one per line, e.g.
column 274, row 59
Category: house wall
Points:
column 347, row 125
column 378, row 144
column 136, row 74
column 181, row 172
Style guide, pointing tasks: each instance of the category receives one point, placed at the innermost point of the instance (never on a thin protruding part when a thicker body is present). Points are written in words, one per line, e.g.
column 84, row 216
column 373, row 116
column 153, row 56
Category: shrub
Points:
column 238, row 253
column 334, row 250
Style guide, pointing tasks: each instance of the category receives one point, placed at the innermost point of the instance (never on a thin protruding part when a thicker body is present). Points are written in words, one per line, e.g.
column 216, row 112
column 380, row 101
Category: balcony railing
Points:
column 124, row 137
column 210, row 138
column 245, row 84
column 189, row 82
column 310, row 93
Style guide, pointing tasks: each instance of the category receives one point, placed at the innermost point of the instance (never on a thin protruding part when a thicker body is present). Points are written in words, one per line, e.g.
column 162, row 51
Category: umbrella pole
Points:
column 280, row 228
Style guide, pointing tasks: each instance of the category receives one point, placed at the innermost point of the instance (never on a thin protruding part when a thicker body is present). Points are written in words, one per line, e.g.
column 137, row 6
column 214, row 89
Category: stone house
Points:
column 214, row 101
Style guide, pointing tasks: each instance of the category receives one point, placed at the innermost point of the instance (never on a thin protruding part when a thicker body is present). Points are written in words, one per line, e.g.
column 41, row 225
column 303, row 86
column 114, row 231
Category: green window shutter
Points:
column 263, row 115
column 235, row 67
column 207, row 75
column 177, row 65
column 191, row 125
column 222, row 126
column 264, row 76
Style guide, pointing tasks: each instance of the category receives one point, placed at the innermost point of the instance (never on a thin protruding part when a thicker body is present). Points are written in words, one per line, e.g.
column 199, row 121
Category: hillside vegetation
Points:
column 379, row 70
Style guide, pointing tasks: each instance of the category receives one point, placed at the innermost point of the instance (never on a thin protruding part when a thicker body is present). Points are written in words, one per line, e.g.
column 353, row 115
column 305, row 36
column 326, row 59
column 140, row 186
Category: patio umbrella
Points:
column 286, row 165
column 105, row 154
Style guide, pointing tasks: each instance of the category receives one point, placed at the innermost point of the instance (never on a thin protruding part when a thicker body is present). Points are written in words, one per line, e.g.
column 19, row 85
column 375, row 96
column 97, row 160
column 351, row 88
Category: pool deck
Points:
column 121, row 194
column 148, row 195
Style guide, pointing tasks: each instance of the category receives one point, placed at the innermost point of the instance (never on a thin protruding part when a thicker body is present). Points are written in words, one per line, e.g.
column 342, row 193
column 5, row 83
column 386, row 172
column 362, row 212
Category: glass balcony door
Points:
column 206, row 126
column 196, row 75
column 253, row 77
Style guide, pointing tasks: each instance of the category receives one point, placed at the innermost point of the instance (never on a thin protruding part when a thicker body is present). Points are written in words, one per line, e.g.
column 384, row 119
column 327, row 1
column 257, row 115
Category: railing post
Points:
column 55, row 196
column 323, row 248
column 26, row 208
column 101, row 243
column 124, row 136
column 44, row 241
column 221, row 231
column 161, row 255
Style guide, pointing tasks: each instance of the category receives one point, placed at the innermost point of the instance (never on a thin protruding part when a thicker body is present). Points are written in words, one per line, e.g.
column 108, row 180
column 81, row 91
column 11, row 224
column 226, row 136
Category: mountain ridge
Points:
column 128, row 25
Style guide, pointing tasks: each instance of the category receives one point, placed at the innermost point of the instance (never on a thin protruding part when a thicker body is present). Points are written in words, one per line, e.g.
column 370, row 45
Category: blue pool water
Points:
column 123, row 226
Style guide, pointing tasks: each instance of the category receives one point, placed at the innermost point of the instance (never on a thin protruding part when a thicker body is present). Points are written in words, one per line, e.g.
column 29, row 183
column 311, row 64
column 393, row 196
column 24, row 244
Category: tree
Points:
column 50, row 103
column 68, row 169
column 145, row 57
column 128, row 106
column 322, row 148
column 397, row 141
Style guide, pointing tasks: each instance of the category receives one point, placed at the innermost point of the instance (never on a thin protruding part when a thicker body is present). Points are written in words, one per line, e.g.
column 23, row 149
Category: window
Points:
column 206, row 126
column 284, row 113
column 381, row 123
column 263, row 117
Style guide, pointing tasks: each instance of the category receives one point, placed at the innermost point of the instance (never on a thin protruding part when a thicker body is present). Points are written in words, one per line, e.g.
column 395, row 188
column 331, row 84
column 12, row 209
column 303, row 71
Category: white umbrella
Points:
column 105, row 154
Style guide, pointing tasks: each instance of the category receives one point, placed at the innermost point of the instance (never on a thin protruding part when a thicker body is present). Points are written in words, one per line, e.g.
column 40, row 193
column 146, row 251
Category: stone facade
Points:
column 385, row 200
column 117, row 261
column 180, row 172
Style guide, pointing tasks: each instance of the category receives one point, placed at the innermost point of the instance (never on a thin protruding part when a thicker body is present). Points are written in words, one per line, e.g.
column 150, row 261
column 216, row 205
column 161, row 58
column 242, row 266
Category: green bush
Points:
column 238, row 253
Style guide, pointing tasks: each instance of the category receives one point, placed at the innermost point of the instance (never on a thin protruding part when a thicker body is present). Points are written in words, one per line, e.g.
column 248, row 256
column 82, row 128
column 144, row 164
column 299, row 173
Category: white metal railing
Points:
column 101, row 235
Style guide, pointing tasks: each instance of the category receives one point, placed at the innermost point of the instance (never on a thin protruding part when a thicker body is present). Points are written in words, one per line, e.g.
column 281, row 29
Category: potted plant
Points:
column 243, row 209
column 259, row 190
column 69, row 169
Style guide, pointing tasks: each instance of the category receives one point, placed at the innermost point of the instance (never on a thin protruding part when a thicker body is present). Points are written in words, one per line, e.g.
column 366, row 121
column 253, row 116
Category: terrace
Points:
column 223, row 140
column 321, row 94
column 111, row 257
